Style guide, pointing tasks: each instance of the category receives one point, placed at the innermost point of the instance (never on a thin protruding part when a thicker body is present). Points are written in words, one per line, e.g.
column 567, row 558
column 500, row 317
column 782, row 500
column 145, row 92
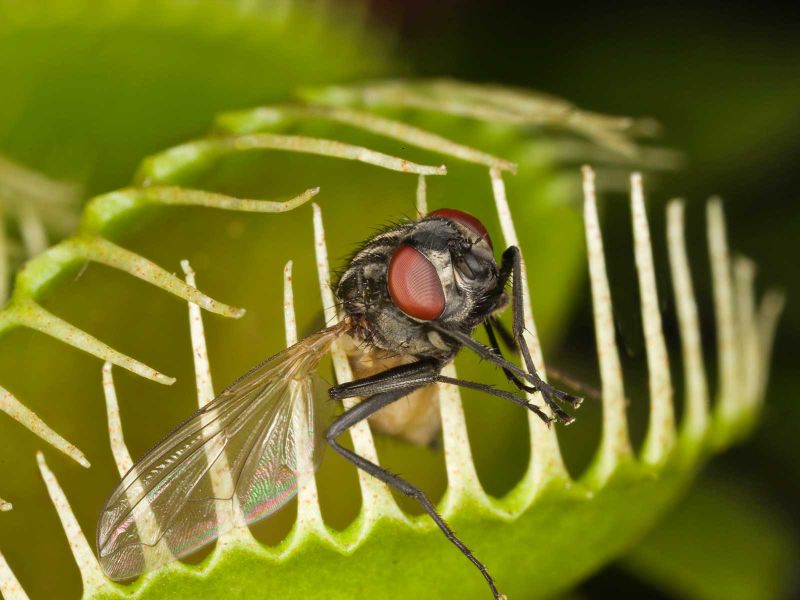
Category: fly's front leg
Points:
column 383, row 389
column 512, row 266
column 488, row 325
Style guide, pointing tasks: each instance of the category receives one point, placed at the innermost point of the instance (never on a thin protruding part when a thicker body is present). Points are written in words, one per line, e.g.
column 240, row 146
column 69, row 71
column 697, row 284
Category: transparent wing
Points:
column 235, row 461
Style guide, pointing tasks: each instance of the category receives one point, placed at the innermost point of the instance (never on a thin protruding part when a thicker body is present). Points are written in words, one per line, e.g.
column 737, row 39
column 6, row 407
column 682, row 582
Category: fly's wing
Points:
column 233, row 462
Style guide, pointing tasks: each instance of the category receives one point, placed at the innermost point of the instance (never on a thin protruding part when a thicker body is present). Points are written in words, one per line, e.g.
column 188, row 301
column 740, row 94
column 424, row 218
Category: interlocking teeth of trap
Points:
column 744, row 332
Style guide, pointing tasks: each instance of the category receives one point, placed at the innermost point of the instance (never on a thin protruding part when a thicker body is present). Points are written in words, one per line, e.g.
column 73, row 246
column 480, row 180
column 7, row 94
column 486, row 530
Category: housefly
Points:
column 413, row 294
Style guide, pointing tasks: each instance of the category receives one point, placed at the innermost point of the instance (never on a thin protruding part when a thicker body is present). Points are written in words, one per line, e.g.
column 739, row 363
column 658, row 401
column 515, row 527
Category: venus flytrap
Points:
column 552, row 528
column 615, row 446
column 309, row 518
column 221, row 479
column 695, row 417
column 622, row 468
column 37, row 203
column 180, row 160
column 25, row 416
column 122, row 457
column 661, row 429
column 10, row 588
column 92, row 576
column 106, row 211
column 546, row 465
column 274, row 117
column 492, row 104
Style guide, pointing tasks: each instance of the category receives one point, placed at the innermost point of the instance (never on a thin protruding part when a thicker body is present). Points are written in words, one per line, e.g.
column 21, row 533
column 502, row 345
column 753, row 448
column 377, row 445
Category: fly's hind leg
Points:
column 383, row 389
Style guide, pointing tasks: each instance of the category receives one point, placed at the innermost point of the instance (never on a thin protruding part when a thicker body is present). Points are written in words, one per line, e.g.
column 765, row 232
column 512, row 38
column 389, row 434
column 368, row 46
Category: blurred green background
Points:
column 723, row 78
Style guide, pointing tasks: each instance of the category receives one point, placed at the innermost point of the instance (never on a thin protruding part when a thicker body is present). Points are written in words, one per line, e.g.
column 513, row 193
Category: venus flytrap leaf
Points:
column 10, row 588
column 493, row 104
column 546, row 465
column 596, row 508
column 100, row 250
column 147, row 525
column 221, row 477
column 546, row 516
column 747, row 327
column 531, row 108
column 175, row 162
column 94, row 581
column 268, row 117
column 34, row 237
column 102, row 211
column 615, row 446
column 309, row 518
column 769, row 312
column 39, row 201
column 22, row 414
column 696, row 412
column 30, row 314
column 661, row 428
column 724, row 311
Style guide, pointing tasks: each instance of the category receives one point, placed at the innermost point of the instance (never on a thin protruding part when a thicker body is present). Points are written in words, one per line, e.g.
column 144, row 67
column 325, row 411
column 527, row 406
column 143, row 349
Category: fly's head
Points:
column 440, row 268
column 459, row 249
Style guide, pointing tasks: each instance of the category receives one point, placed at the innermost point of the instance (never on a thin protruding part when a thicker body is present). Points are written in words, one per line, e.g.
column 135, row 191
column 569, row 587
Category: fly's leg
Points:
column 492, row 391
column 512, row 266
column 383, row 389
column 493, row 324
column 404, row 377
column 489, row 325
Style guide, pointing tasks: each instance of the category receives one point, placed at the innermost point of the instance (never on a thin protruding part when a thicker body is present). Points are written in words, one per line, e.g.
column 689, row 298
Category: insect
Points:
column 415, row 291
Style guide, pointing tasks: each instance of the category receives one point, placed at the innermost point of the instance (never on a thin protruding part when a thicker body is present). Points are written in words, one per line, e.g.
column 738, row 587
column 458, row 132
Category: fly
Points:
column 414, row 293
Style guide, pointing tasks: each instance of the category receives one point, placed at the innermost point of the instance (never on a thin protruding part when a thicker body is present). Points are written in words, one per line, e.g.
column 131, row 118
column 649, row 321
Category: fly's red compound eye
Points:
column 466, row 219
column 414, row 284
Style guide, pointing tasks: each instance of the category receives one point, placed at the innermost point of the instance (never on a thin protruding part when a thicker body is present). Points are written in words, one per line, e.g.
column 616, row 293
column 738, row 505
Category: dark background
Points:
column 724, row 81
